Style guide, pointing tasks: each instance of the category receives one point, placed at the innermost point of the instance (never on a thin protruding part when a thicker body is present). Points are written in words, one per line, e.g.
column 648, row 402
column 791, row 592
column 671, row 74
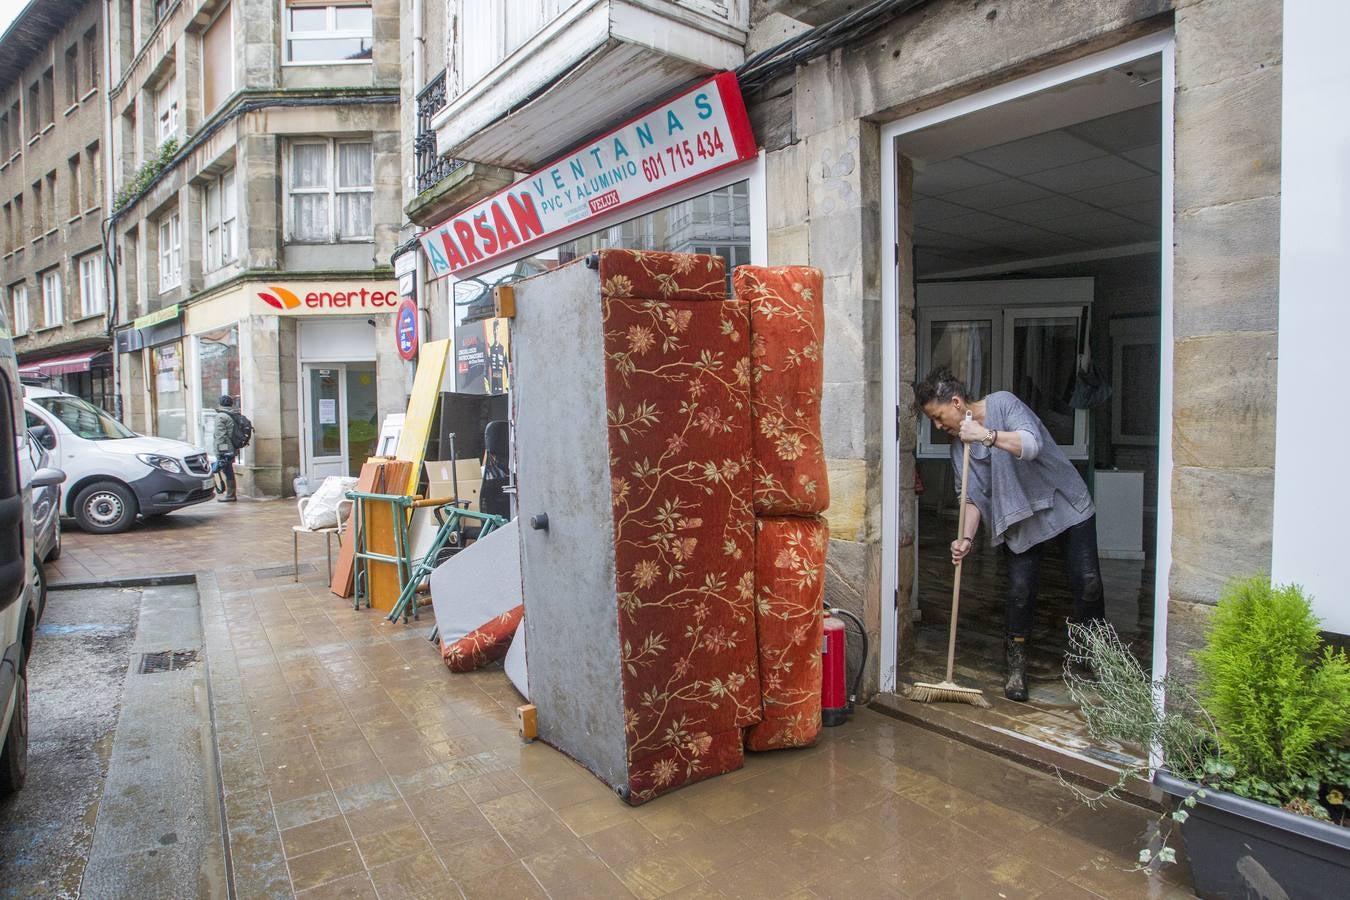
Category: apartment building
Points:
column 255, row 170
column 52, row 196
column 1043, row 196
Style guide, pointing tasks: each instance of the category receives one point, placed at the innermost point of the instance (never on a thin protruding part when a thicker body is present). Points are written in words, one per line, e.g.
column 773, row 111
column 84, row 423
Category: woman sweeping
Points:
column 1030, row 494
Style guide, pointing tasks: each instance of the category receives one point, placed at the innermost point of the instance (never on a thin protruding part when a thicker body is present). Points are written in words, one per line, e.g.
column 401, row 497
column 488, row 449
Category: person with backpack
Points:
column 232, row 433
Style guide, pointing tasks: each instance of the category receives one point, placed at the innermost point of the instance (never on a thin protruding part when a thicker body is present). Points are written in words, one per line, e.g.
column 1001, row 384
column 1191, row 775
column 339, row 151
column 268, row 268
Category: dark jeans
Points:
column 1080, row 564
column 226, row 461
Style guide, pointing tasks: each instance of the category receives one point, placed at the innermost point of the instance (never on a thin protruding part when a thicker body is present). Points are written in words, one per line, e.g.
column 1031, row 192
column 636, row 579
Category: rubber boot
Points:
column 229, row 495
column 1016, row 688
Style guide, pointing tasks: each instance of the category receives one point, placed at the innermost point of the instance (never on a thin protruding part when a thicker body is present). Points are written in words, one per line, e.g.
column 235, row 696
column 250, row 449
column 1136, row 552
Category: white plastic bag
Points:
column 321, row 511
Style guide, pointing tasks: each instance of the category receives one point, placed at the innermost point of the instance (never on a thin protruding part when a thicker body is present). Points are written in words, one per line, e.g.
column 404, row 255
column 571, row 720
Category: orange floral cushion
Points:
column 678, row 393
column 787, row 328
column 487, row 643
column 662, row 276
column 789, row 592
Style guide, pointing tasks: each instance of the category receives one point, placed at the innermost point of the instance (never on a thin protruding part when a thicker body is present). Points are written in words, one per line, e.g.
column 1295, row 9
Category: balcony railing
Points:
column 431, row 167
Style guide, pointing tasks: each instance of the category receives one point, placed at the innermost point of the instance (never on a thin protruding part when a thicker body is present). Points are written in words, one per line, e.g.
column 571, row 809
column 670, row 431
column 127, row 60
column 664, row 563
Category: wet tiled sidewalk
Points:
column 355, row 765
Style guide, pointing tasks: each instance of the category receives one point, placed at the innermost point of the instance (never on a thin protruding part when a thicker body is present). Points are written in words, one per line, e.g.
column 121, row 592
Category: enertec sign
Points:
column 326, row 299
column 699, row 132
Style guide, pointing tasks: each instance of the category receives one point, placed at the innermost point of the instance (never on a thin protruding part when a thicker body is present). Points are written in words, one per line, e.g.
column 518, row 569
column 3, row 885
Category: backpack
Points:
column 242, row 432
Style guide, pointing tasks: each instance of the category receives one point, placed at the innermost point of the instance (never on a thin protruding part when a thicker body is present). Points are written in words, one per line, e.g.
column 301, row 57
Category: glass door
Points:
column 325, row 438
column 1041, row 366
column 362, row 415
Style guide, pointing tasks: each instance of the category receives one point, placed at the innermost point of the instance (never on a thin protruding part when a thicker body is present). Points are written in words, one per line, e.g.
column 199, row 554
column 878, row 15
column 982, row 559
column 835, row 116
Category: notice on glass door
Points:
column 327, row 412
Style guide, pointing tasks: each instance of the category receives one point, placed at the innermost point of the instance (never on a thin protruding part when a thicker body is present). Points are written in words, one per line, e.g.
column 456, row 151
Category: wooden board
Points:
column 341, row 583
column 380, row 538
column 412, row 441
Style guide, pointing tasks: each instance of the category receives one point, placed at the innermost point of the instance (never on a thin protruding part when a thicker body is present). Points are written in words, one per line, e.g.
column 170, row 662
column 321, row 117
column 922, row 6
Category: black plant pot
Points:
column 1240, row 848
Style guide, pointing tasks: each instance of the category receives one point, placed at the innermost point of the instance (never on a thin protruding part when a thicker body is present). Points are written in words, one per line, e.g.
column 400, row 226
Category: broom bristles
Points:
column 947, row 692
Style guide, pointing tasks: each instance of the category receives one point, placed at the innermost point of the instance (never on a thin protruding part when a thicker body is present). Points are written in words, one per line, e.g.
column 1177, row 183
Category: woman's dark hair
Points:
column 941, row 386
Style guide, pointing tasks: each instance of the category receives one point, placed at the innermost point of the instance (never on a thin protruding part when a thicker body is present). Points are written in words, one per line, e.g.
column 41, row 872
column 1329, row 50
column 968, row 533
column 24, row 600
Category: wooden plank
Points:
column 341, row 582
column 426, row 391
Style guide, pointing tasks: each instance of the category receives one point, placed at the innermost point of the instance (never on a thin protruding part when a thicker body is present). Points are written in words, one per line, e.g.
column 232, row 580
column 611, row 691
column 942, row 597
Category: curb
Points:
column 133, row 581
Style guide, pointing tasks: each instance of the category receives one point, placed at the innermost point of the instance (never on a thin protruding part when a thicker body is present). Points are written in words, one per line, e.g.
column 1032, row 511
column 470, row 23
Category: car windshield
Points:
column 85, row 419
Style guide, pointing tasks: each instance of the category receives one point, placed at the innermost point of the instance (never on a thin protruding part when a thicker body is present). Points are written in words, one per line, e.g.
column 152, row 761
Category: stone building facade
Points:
column 51, row 180
column 1152, row 183
column 256, row 167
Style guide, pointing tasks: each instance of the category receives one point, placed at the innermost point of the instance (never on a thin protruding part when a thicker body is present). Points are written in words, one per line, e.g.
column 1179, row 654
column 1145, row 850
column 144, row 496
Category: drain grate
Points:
column 166, row 661
column 278, row 571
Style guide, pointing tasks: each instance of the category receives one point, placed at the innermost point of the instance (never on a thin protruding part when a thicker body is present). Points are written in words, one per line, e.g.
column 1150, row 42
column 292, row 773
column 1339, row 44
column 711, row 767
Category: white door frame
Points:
column 1163, row 43
column 306, row 434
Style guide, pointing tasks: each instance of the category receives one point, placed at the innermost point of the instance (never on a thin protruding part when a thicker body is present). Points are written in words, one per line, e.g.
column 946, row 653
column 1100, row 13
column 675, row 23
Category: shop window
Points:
column 92, row 302
column 166, row 110
column 53, row 308
column 1030, row 351
column 170, row 252
column 217, row 61
column 331, row 186
column 218, row 368
column 167, row 395
column 18, row 300
column 328, row 32
column 218, row 220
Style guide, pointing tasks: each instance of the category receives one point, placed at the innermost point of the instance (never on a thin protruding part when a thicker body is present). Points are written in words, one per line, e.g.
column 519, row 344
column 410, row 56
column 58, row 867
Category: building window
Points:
column 166, row 110
column 72, row 75
column 162, row 8
column 317, row 33
column 49, row 96
column 93, row 183
column 18, row 236
column 170, row 253
column 217, row 62
column 92, row 51
column 34, row 104
column 74, row 187
column 18, row 298
column 6, row 147
column 91, row 285
column 51, row 214
column 15, row 130
column 218, row 212
column 39, row 211
column 53, row 313
column 331, row 187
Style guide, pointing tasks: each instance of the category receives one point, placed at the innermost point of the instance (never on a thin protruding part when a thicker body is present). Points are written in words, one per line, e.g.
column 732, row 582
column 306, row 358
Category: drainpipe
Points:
column 417, row 80
column 109, row 247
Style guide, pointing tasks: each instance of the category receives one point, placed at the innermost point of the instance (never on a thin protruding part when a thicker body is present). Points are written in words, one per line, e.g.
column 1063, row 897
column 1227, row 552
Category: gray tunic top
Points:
column 1025, row 500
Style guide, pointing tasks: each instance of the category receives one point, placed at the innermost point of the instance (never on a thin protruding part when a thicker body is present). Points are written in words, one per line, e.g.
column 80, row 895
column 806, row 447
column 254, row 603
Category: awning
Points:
column 60, row 365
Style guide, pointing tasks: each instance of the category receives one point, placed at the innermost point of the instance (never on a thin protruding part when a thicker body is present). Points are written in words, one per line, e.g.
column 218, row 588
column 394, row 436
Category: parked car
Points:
column 113, row 474
column 46, row 500
column 19, row 595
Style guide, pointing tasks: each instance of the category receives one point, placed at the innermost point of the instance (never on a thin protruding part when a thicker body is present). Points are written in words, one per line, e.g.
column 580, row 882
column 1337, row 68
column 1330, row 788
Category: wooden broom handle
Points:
column 956, row 580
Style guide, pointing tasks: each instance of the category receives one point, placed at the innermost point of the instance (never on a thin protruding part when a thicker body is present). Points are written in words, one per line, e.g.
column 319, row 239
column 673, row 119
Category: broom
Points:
column 948, row 691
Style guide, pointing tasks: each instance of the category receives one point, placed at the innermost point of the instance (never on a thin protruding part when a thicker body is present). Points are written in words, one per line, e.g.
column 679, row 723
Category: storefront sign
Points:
column 156, row 317
column 327, row 299
column 701, row 131
column 405, row 329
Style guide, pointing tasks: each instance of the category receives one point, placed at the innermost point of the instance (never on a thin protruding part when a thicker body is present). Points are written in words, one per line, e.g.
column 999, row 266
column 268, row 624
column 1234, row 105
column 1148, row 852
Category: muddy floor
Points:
column 76, row 677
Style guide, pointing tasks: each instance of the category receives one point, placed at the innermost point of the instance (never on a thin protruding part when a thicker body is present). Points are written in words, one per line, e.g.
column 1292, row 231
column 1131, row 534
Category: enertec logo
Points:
column 287, row 299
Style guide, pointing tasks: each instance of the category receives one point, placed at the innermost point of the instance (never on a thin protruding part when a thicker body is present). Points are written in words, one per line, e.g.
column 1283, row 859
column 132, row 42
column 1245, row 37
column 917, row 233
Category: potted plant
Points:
column 1255, row 756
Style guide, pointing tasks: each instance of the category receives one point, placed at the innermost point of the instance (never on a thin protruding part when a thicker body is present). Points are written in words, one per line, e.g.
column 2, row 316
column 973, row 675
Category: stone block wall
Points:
column 1225, row 289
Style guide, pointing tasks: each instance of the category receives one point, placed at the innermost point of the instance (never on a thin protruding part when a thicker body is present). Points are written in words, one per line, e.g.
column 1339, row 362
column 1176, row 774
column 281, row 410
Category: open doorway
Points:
column 1037, row 267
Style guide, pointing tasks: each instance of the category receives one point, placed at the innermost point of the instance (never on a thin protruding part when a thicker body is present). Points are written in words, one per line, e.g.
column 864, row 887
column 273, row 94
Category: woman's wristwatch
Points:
column 990, row 436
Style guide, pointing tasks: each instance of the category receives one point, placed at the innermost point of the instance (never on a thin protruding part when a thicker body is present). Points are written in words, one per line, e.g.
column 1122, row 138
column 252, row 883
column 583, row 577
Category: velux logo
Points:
column 287, row 299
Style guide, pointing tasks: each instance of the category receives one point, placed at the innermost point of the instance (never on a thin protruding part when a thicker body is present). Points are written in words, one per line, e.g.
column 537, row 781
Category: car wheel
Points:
column 39, row 585
column 105, row 508
column 14, row 755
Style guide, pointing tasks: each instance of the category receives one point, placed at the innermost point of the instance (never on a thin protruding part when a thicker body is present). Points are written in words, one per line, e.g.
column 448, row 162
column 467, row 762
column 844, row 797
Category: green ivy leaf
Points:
column 1145, row 856
column 1167, row 855
column 1180, row 815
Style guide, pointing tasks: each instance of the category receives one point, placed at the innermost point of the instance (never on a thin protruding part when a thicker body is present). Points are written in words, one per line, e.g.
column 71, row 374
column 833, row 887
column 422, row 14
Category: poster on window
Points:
column 482, row 350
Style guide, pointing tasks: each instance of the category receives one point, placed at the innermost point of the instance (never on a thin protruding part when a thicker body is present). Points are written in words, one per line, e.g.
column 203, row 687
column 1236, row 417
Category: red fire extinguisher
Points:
column 836, row 705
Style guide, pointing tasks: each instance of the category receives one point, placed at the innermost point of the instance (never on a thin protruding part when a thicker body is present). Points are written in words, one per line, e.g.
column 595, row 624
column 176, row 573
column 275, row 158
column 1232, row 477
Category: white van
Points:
column 112, row 473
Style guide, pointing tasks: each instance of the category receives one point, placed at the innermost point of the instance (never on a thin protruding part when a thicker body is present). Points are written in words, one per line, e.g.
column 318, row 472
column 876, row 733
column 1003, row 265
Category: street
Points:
column 353, row 764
